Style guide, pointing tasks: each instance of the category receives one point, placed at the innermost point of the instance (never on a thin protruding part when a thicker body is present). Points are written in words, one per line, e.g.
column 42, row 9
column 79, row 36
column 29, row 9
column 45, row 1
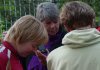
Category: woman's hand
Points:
column 41, row 57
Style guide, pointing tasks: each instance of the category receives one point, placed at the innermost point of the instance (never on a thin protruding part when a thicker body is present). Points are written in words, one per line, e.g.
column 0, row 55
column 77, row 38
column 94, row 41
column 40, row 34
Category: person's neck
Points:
column 86, row 27
column 13, row 44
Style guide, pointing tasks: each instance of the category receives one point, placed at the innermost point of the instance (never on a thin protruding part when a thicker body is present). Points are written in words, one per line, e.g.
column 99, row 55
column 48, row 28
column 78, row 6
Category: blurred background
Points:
column 10, row 10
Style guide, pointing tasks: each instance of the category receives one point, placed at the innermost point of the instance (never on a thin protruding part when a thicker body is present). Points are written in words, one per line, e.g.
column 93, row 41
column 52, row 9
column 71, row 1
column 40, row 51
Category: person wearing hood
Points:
column 48, row 14
column 81, row 46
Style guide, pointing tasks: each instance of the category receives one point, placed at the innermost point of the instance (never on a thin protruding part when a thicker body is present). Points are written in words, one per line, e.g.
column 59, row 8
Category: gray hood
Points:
column 81, row 38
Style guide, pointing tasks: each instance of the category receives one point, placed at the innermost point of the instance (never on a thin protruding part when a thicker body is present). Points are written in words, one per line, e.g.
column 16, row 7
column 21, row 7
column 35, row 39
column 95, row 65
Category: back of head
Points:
column 26, row 29
column 77, row 12
column 47, row 10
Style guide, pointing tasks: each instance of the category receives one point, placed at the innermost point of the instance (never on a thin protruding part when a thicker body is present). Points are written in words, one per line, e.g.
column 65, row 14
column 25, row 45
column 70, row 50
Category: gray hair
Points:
column 47, row 10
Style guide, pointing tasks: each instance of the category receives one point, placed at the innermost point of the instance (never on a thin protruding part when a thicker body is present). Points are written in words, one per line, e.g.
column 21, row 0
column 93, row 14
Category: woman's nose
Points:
column 52, row 25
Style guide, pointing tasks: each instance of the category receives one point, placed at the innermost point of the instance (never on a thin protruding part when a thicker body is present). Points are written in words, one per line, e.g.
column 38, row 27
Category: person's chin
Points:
column 52, row 34
column 23, row 55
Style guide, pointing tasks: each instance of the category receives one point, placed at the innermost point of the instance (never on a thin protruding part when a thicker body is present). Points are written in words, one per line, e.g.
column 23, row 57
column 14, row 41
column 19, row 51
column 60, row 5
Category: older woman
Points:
column 48, row 14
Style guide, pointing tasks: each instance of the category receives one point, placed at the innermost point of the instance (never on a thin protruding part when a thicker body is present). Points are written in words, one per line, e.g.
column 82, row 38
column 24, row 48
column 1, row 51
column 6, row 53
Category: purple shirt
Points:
column 54, row 42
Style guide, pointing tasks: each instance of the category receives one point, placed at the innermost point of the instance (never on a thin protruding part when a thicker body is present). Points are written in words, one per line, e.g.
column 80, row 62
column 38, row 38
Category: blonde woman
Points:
column 22, row 39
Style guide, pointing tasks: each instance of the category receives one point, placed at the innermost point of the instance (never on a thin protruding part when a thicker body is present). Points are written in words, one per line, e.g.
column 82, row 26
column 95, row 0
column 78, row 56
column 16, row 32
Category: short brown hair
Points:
column 77, row 11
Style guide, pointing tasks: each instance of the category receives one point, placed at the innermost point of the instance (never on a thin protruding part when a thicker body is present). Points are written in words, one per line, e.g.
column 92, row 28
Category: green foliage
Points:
column 94, row 3
column 97, row 21
column 10, row 10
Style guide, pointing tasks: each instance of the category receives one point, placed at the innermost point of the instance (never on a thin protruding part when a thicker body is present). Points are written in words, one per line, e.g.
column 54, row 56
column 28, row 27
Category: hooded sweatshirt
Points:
column 80, row 51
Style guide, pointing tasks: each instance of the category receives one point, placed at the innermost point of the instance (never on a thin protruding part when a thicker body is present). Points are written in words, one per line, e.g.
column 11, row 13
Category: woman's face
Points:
column 27, row 48
column 51, row 26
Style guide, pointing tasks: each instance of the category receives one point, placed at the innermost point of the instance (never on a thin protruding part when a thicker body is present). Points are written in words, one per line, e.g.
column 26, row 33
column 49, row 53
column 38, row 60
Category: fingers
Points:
column 41, row 57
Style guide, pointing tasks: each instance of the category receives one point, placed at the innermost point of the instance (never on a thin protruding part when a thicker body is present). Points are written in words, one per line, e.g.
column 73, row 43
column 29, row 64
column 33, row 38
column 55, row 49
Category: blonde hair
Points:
column 26, row 29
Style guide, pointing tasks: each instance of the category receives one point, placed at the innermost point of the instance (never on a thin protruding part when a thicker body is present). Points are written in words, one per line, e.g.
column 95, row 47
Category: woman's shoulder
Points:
column 3, row 57
column 3, row 52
